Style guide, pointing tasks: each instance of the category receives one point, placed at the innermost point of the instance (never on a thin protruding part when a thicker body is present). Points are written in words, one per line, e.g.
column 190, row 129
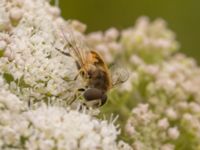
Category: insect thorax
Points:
column 98, row 78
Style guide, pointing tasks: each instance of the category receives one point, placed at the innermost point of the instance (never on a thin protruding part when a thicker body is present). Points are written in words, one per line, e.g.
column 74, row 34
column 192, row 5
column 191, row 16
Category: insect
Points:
column 93, row 70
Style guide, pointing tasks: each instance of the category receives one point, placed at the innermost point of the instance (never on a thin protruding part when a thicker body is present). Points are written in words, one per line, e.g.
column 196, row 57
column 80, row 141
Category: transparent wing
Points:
column 75, row 44
column 119, row 74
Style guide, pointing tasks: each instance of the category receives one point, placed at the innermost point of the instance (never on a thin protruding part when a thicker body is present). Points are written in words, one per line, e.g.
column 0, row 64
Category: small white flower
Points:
column 54, row 11
column 171, row 114
column 19, row 2
column 111, row 34
column 124, row 146
column 142, row 114
column 56, row 127
column 10, row 101
column 16, row 14
column 183, row 106
column 79, row 26
column 10, row 136
column 137, row 145
column 163, row 124
column 194, row 107
column 167, row 147
column 151, row 41
column 136, row 60
column 188, row 117
column 130, row 128
column 95, row 37
column 173, row 133
column 3, row 45
column 46, row 144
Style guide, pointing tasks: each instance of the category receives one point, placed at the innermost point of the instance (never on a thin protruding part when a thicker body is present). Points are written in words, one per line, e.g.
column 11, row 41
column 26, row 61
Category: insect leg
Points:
column 77, row 95
column 83, row 107
column 74, row 79
column 73, row 99
column 78, row 74
column 64, row 53
column 78, row 65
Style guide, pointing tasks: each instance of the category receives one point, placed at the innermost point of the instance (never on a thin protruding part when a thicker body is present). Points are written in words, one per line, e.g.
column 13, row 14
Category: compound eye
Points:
column 92, row 94
column 103, row 99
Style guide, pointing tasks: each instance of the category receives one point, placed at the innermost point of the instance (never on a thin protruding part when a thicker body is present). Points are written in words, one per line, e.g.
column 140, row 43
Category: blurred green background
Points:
column 183, row 17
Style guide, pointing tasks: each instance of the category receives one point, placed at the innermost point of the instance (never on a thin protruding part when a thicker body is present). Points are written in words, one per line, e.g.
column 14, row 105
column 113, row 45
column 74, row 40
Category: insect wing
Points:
column 118, row 75
column 75, row 43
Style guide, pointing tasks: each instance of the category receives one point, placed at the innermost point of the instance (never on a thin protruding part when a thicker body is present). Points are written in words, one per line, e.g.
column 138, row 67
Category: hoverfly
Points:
column 93, row 70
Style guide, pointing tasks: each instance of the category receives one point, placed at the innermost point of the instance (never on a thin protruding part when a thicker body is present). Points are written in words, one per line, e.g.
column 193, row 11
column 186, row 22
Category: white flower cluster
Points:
column 52, row 128
column 151, row 41
column 149, row 131
column 168, row 82
column 32, row 70
column 172, row 89
column 170, row 86
column 30, row 63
